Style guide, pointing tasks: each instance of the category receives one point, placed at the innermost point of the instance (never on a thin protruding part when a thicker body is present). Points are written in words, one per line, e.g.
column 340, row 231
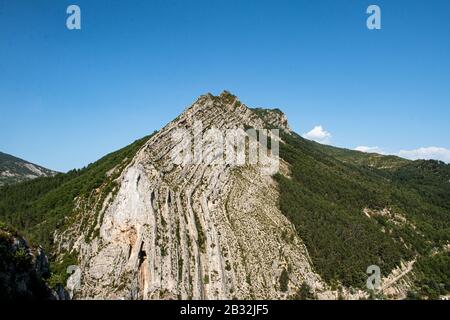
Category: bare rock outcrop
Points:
column 200, row 230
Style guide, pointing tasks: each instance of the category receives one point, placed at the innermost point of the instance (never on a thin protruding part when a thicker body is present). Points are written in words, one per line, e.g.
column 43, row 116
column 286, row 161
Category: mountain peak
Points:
column 227, row 94
column 13, row 170
column 168, row 225
column 231, row 107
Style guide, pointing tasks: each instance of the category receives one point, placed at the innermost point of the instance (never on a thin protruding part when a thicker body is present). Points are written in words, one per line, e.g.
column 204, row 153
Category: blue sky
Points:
column 69, row 97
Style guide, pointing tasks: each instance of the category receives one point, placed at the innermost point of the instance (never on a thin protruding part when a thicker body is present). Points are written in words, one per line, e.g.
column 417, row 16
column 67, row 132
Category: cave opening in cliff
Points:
column 142, row 255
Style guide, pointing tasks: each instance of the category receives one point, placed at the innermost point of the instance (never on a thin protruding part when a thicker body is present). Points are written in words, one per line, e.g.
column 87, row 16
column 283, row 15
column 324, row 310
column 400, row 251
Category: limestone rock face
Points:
column 200, row 230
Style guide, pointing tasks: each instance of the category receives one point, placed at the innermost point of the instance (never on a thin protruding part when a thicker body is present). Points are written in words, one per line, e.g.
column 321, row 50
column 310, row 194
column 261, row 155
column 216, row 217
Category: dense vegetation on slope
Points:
column 433, row 275
column 14, row 170
column 373, row 160
column 20, row 276
column 328, row 190
column 37, row 208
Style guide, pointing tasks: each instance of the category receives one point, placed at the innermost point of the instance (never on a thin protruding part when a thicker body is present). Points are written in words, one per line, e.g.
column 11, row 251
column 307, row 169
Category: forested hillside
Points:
column 38, row 207
column 354, row 210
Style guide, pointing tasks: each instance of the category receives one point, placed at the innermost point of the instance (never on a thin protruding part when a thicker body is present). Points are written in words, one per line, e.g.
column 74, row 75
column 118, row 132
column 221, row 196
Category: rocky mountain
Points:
column 160, row 220
column 168, row 231
column 14, row 170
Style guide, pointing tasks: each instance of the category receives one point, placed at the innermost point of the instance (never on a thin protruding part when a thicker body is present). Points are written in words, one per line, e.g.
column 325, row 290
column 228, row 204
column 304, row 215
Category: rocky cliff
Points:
column 204, row 230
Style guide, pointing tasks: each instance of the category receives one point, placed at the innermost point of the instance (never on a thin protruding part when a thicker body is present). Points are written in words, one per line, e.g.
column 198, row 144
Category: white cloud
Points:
column 427, row 153
column 370, row 149
column 319, row 135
